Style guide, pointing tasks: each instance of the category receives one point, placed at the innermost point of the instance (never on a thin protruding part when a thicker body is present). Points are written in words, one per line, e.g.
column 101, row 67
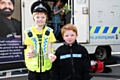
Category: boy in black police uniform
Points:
column 73, row 62
column 9, row 27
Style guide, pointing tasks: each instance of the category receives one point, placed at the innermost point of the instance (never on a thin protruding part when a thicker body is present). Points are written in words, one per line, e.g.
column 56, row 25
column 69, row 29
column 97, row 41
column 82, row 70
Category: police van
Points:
column 97, row 22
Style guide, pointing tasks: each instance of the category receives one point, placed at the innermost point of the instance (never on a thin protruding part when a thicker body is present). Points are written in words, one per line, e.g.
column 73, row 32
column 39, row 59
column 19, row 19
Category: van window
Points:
column 81, row 1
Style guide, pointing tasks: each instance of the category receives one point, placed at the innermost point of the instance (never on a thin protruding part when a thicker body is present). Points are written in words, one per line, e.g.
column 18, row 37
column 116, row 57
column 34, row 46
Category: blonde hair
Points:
column 36, row 13
column 69, row 27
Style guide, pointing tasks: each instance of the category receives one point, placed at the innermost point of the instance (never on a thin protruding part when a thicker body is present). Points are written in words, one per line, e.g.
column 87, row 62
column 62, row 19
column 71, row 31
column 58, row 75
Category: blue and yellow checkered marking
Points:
column 105, row 29
column 45, row 42
column 35, row 42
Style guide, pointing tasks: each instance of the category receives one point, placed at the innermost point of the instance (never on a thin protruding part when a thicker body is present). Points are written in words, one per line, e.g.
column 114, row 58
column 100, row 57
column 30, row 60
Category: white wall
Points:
column 17, row 11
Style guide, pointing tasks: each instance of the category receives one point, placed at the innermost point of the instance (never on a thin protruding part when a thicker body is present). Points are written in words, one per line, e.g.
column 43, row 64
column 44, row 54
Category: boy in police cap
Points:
column 9, row 27
column 39, row 39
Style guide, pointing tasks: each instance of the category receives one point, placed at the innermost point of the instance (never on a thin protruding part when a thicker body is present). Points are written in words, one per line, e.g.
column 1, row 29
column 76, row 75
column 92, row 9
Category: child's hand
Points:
column 52, row 57
column 30, row 53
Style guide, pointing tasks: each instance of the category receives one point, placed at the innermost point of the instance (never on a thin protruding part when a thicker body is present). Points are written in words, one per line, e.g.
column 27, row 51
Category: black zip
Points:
column 72, row 62
column 41, row 55
column 39, row 63
column 41, row 60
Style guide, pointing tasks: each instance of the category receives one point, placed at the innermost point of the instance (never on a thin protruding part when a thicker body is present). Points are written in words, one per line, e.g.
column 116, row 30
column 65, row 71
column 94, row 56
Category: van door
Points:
column 80, row 17
column 27, row 19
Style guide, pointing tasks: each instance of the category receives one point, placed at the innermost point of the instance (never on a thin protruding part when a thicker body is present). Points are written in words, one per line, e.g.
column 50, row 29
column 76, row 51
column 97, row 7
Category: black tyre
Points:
column 101, row 53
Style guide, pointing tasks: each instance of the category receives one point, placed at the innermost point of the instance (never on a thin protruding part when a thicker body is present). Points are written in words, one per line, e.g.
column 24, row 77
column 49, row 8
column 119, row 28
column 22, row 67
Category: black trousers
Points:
column 39, row 76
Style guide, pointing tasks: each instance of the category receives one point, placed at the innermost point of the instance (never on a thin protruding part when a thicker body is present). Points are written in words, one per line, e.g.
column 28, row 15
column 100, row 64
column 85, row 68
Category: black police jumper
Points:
column 72, row 63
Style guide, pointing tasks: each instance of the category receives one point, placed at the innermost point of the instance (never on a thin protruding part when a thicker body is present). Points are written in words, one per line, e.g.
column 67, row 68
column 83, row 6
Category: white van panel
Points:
column 81, row 20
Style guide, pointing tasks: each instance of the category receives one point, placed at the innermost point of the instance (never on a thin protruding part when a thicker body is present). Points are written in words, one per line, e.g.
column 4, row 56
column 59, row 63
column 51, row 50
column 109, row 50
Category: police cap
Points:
column 41, row 6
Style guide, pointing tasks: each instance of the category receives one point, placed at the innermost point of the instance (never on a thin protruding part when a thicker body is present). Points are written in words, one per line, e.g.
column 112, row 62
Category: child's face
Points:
column 40, row 19
column 69, row 36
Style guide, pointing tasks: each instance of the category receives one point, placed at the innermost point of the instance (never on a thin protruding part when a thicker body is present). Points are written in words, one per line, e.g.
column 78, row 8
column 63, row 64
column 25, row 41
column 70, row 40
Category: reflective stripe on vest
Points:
column 35, row 43
column 44, row 45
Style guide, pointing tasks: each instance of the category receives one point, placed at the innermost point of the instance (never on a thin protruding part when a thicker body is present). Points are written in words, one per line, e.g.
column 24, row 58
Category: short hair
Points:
column 69, row 27
column 35, row 13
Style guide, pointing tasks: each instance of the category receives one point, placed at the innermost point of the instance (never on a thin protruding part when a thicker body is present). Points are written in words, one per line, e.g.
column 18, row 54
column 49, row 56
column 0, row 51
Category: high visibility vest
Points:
column 67, row 7
column 33, row 64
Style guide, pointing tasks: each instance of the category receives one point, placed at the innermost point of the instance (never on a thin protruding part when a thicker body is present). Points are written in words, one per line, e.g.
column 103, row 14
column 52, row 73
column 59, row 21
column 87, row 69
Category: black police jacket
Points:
column 72, row 63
